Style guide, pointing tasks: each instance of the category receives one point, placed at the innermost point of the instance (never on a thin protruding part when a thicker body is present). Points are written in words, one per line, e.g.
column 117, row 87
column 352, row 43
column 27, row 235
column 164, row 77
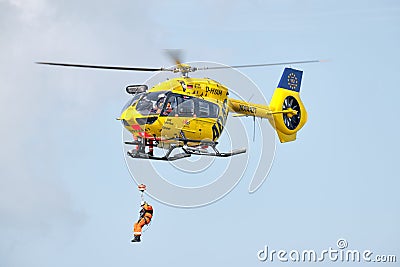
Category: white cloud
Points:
column 29, row 9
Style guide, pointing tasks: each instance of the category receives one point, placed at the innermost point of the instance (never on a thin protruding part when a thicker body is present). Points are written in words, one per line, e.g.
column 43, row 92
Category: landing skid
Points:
column 167, row 157
column 216, row 153
column 187, row 152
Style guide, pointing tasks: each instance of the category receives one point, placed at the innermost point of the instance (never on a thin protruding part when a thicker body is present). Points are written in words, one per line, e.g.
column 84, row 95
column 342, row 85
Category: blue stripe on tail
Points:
column 291, row 79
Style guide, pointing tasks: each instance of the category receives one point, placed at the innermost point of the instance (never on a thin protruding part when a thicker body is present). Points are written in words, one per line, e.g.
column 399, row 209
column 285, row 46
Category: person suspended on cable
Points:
column 146, row 213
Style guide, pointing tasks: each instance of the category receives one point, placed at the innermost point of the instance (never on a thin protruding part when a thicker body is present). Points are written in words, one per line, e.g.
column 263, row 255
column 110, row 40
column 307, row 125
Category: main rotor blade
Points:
column 261, row 65
column 102, row 67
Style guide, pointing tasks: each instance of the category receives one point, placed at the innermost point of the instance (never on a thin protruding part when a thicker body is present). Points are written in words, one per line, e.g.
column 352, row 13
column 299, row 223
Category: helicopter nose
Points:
column 121, row 117
column 124, row 117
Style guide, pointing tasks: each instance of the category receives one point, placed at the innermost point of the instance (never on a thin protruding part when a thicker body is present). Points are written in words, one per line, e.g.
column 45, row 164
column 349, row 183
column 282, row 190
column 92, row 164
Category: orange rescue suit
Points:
column 145, row 217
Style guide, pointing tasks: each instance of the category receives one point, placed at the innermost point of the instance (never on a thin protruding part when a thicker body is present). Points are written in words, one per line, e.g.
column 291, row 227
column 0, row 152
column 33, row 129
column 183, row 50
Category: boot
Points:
column 136, row 238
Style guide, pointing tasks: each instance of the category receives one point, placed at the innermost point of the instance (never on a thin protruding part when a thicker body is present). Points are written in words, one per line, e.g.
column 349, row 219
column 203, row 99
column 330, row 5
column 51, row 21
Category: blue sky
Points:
column 66, row 197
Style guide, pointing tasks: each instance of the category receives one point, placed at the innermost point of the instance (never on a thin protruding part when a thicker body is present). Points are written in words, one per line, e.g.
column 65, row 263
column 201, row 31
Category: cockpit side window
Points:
column 151, row 103
column 170, row 106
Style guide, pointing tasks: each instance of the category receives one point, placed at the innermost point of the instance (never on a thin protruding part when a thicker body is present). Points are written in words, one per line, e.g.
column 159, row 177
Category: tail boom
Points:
column 286, row 111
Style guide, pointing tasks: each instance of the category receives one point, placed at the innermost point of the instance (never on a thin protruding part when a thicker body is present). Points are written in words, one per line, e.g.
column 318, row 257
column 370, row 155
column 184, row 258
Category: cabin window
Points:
column 185, row 106
column 206, row 109
column 214, row 110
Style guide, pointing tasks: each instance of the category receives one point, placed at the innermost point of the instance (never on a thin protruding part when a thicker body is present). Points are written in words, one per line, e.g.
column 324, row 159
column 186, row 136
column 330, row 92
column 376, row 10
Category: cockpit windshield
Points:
column 132, row 101
column 151, row 103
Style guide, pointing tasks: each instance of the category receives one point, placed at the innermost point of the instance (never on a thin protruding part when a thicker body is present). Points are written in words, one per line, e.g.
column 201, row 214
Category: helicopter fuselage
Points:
column 190, row 108
column 190, row 113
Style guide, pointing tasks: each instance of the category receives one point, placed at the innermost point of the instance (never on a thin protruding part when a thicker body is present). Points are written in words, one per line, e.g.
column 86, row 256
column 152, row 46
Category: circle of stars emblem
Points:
column 292, row 81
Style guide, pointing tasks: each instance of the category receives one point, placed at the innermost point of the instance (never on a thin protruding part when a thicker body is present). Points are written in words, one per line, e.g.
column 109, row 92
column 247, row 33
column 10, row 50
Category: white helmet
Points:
column 142, row 203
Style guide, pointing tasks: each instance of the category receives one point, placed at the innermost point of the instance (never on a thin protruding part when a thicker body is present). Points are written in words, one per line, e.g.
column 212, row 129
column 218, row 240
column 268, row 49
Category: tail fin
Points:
column 288, row 111
column 291, row 79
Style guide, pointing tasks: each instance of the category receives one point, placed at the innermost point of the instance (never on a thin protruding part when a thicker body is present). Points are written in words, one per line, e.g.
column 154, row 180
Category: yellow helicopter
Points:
column 190, row 113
